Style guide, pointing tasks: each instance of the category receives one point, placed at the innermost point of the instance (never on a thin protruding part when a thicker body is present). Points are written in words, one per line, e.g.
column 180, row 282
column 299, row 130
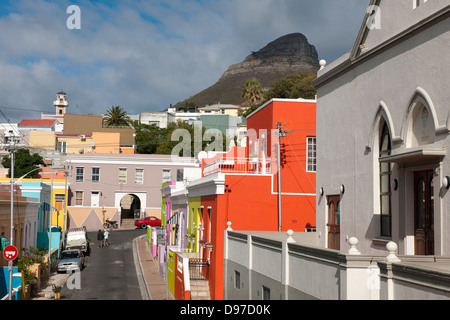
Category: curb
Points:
column 145, row 292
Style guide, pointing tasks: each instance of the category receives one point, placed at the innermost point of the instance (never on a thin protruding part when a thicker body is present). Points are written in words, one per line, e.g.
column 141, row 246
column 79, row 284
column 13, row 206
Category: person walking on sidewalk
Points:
column 100, row 238
column 106, row 238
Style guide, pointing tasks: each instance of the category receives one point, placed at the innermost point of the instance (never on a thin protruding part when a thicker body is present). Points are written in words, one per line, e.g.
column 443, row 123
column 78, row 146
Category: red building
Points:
column 242, row 186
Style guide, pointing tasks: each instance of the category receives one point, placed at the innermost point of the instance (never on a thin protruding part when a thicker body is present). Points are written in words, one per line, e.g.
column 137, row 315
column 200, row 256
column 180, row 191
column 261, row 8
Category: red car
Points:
column 149, row 221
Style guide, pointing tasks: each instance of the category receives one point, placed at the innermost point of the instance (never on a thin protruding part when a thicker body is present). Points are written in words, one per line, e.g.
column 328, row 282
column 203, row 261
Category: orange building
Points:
column 241, row 186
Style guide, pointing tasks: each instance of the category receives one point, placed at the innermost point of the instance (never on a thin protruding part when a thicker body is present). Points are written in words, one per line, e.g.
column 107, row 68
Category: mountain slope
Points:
column 287, row 55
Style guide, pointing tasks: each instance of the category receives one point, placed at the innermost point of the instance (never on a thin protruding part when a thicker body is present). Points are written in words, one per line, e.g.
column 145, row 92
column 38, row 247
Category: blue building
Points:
column 38, row 235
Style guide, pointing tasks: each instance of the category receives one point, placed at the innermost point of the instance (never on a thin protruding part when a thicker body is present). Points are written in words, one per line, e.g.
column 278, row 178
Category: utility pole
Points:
column 12, row 146
column 66, row 172
column 281, row 134
column 50, row 228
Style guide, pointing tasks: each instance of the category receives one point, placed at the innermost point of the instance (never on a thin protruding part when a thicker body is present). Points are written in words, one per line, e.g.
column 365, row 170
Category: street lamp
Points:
column 12, row 146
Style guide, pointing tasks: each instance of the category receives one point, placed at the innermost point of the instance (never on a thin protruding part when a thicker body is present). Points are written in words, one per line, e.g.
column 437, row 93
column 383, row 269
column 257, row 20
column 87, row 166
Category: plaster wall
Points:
column 347, row 109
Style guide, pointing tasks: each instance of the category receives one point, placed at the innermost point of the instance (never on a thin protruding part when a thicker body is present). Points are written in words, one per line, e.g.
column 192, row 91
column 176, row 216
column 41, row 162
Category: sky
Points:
column 145, row 55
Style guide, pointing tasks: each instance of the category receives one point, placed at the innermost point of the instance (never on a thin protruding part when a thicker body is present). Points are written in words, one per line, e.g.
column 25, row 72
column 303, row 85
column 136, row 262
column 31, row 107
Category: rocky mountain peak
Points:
column 286, row 55
column 289, row 54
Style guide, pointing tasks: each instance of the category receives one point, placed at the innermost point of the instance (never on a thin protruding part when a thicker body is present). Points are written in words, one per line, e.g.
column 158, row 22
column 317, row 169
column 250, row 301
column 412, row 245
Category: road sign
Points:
column 10, row 253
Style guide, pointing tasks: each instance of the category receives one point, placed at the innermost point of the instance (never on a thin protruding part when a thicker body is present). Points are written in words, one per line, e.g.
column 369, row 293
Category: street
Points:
column 110, row 272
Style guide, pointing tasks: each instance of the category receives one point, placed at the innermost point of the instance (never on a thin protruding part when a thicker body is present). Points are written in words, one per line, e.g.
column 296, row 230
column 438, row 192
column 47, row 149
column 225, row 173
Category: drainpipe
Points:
column 281, row 134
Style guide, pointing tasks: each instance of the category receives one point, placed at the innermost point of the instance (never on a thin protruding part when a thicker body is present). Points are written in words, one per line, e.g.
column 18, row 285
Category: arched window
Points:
column 385, row 184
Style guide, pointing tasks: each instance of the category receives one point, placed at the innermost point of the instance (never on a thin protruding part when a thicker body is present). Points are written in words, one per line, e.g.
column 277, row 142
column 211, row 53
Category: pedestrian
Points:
column 106, row 238
column 100, row 238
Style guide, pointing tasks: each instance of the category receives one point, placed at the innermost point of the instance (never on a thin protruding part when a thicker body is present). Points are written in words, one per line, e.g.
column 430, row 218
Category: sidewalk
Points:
column 153, row 281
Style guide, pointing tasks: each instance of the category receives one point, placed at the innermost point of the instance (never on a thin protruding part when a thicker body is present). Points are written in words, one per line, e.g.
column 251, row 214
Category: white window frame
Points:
column 126, row 174
column 92, row 174
column 76, row 174
column 141, row 179
column 76, row 198
column 62, row 146
column 311, row 160
column 164, row 178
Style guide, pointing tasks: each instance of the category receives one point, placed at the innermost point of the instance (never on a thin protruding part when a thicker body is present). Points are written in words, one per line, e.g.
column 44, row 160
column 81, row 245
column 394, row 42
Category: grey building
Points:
column 383, row 133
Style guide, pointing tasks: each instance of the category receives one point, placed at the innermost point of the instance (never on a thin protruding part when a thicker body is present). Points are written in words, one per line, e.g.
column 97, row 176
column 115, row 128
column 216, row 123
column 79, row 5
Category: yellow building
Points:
column 193, row 224
column 39, row 139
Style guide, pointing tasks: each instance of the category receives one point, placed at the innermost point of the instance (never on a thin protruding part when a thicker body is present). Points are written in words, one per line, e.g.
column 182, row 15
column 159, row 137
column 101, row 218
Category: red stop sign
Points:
column 10, row 253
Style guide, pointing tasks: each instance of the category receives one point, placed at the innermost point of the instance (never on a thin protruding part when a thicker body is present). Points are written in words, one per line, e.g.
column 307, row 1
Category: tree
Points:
column 167, row 145
column 117, row 117
column 24, row 163
column 294, row 86
column 155, row 140
column 252, row 92
column 148, row 137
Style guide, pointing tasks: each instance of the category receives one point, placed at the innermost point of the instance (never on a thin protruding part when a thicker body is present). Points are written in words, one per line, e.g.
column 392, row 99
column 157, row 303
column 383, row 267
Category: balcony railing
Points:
column 198, row 269
column 238, row 165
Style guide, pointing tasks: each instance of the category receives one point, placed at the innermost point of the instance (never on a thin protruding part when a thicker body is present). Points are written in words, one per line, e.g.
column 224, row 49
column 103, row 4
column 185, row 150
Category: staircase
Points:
column 127, row 224
column 200, row 290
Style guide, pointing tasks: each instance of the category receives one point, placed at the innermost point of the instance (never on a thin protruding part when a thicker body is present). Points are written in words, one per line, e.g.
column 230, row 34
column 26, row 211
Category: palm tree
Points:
column 252, row 92
column 117, row 117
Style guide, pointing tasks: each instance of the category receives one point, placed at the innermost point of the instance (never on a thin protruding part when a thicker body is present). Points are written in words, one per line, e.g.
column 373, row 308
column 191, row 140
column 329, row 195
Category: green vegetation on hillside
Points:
column 294, row 86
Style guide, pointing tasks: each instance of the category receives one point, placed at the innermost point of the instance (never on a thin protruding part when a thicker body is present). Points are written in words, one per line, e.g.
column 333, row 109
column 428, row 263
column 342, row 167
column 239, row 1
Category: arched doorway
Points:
column 130, row 206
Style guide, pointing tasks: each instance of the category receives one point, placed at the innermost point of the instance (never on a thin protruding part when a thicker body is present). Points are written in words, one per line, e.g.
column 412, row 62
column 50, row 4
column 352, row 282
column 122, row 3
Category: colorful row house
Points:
column 32, row 211
column 245, row 188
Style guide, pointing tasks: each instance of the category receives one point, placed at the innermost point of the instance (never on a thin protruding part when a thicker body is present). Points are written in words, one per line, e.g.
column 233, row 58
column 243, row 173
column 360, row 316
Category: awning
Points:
column 420, row 155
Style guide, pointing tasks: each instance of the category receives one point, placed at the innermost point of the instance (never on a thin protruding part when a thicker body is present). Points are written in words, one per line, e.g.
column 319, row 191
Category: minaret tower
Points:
column 61, row 103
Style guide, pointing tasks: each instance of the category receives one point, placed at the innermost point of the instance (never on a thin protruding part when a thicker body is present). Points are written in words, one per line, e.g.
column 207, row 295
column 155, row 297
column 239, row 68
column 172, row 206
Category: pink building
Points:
column 118, row 187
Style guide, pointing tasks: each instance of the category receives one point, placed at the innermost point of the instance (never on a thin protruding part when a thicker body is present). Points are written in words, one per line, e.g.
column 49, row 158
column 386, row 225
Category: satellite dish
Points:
column 92, row 144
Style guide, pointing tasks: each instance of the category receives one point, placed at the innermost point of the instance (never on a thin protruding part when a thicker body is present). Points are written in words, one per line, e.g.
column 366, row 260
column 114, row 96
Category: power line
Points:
column 23, row 109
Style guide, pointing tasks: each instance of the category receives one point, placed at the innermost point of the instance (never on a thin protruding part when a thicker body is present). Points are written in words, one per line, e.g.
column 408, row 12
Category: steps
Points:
column 127, row 224
column 200, row 290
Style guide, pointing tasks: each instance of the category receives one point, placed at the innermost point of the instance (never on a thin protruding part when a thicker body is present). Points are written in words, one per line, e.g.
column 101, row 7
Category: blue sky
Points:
column 147, row 54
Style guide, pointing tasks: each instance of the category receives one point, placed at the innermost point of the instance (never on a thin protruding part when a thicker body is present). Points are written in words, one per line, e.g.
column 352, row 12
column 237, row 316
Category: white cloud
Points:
column 145, row 55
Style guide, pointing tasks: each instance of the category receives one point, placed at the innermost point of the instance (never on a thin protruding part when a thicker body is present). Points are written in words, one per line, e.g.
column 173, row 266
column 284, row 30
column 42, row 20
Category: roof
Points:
column 281, row 100
column 44, row 123
column 220, row 106
column 74, row 135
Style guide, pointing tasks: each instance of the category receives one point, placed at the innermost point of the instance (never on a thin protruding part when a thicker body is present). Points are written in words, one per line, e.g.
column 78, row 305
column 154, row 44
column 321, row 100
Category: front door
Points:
column 424, row 212
column 334, row 228
column 95, row 198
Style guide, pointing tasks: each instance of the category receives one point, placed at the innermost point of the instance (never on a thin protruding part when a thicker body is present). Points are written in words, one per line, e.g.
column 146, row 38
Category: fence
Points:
column 239, row 165
column 252, row 261
column 198, row 269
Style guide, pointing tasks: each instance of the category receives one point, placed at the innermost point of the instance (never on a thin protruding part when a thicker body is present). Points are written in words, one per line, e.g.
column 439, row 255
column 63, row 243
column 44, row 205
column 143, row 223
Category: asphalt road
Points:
column 110, row 272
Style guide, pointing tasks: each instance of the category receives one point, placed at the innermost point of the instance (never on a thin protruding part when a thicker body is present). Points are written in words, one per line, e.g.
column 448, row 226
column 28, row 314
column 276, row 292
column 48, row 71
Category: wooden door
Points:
column 334, row 212
column 424, row 212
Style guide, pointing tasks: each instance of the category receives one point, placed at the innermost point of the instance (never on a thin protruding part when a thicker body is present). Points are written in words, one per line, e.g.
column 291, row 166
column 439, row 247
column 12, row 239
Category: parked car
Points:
column 71, row 260
column 149, row 221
